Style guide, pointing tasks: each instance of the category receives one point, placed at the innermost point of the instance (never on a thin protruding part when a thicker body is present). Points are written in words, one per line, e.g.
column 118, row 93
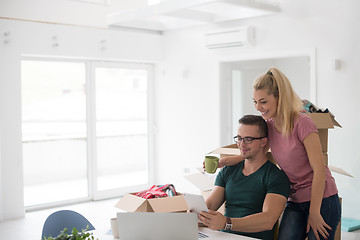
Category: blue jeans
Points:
column 294, row 221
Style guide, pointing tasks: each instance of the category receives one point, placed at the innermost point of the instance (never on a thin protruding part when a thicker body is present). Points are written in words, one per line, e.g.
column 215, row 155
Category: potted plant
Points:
column 75, row 235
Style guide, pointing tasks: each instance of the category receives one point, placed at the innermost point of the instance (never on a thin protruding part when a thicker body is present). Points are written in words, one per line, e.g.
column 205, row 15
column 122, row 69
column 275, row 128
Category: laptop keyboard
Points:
column 202, row 235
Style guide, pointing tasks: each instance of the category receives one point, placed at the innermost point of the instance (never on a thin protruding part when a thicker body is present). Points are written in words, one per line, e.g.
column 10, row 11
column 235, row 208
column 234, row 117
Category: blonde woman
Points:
column 313, row 209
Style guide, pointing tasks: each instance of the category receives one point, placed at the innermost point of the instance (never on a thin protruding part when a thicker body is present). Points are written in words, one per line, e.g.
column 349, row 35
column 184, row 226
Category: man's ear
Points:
column 264, row 141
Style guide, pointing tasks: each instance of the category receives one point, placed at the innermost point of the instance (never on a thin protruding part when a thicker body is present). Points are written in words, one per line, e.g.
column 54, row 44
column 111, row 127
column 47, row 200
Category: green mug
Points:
column 211, row 164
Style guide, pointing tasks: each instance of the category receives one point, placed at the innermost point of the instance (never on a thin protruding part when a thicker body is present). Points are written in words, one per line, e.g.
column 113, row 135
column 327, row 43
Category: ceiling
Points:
column 175, row 14
column 136, row 14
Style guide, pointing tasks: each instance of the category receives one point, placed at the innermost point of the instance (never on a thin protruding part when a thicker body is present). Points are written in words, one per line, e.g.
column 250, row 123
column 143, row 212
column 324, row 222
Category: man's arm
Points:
column 273, row 206
column 216, row 198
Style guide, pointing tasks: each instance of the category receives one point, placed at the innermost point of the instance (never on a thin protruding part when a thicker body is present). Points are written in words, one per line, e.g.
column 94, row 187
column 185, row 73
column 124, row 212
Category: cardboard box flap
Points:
column 131, row 203
column 339, row 170
column 201, row 181
column 231, row 149
column 324, row 120
column 169, row 204
column 234, row 145
column 226, row 151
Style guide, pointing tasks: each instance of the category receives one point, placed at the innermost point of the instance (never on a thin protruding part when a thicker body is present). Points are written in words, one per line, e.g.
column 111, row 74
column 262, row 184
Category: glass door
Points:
column 121, row 127
column 85, row 130
column 54, row 131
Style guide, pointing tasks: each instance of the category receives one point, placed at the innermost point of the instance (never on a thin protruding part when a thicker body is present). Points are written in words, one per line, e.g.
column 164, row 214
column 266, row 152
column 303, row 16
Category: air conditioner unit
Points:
column 230, row 38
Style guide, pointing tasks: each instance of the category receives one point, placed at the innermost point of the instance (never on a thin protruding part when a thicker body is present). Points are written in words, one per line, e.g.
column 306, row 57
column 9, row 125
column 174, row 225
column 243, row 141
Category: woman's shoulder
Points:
column 304, row 119
column 304, row 126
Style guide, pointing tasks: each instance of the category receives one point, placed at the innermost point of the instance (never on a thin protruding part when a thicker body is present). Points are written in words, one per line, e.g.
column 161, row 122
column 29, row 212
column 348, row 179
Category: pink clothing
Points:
column 290, row 154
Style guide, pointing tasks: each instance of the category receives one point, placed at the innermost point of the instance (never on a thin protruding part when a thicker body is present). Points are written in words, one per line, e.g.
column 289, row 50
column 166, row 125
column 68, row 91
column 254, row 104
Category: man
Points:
column 255, row 190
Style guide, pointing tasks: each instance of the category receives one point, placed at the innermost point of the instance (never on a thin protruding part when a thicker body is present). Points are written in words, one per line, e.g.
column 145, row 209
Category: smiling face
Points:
column 256, row 147
column 265, row 103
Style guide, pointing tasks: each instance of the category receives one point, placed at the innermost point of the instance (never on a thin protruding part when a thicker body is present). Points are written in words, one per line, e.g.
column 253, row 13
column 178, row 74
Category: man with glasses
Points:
column 255, row 190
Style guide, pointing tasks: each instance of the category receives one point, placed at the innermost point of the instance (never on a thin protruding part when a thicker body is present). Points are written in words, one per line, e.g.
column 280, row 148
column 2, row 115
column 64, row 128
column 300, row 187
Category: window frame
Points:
column 90, row 66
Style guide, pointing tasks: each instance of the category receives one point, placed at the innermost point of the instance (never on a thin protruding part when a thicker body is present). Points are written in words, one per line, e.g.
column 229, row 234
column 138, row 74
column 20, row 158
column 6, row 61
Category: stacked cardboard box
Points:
column 325, row 121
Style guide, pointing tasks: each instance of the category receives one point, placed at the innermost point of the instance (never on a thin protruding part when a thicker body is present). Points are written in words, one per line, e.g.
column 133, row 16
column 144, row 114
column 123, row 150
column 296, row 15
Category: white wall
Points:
column 188, row 88
column 190, row 105
column 73, row 12
column 27, row 38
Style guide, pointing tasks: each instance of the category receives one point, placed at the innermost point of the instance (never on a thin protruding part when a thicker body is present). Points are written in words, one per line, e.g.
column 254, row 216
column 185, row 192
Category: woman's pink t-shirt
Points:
column 290, row 154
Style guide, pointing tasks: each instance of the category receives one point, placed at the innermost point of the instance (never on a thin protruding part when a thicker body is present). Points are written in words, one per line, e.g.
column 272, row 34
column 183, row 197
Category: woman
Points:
column 313, row 209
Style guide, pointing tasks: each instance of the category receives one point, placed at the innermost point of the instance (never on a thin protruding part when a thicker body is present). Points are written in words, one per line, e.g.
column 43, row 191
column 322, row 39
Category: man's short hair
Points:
column 255, row 120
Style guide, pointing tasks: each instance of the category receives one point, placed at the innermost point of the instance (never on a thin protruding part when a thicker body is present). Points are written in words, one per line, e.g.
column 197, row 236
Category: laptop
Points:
column 158, row 226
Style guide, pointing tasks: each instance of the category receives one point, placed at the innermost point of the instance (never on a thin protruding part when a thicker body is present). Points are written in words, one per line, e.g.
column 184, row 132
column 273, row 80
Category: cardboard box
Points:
column 132, row 203
column 323, row 122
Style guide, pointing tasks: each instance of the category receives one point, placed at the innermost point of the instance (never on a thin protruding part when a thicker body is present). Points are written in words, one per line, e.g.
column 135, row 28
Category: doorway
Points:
column 237, row 76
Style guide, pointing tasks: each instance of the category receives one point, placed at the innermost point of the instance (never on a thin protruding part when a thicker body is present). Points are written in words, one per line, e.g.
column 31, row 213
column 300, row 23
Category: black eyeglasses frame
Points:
column 247, row 140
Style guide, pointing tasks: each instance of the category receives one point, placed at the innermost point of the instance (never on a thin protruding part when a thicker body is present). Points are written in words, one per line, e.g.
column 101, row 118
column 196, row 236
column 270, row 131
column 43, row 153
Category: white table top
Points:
column 214, row 235
column 101, row 234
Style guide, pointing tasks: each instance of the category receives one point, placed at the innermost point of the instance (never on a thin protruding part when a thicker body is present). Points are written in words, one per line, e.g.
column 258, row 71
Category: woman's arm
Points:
column 313, row 148
column 230, row 160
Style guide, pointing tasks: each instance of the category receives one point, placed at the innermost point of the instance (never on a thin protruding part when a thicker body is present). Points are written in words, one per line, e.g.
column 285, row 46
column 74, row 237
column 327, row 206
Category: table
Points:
column 102, row 234
column 215, row 235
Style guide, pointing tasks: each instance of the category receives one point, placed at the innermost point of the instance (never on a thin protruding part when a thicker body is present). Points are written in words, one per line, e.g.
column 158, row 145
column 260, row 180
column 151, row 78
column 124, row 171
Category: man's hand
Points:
column 214, row 220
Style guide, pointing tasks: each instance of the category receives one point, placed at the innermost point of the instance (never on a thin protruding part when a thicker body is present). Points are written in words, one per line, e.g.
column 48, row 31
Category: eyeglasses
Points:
column 247, row 140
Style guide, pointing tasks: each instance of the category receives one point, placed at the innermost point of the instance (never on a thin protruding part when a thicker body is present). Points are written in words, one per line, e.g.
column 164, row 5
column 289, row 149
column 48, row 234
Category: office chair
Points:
column 276, row 231
column 57, row 221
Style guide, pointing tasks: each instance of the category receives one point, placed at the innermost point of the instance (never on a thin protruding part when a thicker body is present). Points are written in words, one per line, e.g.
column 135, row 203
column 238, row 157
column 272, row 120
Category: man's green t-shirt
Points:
column 245, row 195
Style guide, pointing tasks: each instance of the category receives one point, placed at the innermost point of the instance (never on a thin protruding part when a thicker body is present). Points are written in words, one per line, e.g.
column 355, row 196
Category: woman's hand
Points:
column 318, row 225
column 214, row 220
column 227, row 161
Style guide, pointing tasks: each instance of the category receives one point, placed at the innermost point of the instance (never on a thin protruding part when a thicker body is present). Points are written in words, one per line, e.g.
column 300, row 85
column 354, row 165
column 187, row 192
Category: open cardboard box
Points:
column 323, row 122
column 132, row 203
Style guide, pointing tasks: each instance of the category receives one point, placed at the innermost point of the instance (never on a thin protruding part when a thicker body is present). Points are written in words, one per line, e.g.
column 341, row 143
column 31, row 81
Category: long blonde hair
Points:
column 289, row 104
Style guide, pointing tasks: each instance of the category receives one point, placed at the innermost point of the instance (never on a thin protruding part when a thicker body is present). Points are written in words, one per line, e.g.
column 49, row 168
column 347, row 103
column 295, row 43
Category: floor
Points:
column 99, row 214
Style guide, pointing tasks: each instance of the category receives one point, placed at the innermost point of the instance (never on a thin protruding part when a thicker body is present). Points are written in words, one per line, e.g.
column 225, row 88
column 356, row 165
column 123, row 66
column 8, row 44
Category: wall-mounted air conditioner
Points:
column 230, row 38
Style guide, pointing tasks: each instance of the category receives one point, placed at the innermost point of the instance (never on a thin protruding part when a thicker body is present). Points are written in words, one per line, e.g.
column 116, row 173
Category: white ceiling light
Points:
column 174, row 14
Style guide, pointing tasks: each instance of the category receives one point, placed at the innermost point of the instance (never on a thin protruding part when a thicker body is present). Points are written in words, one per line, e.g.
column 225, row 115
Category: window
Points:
column 85, row 129
column 121, row 124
